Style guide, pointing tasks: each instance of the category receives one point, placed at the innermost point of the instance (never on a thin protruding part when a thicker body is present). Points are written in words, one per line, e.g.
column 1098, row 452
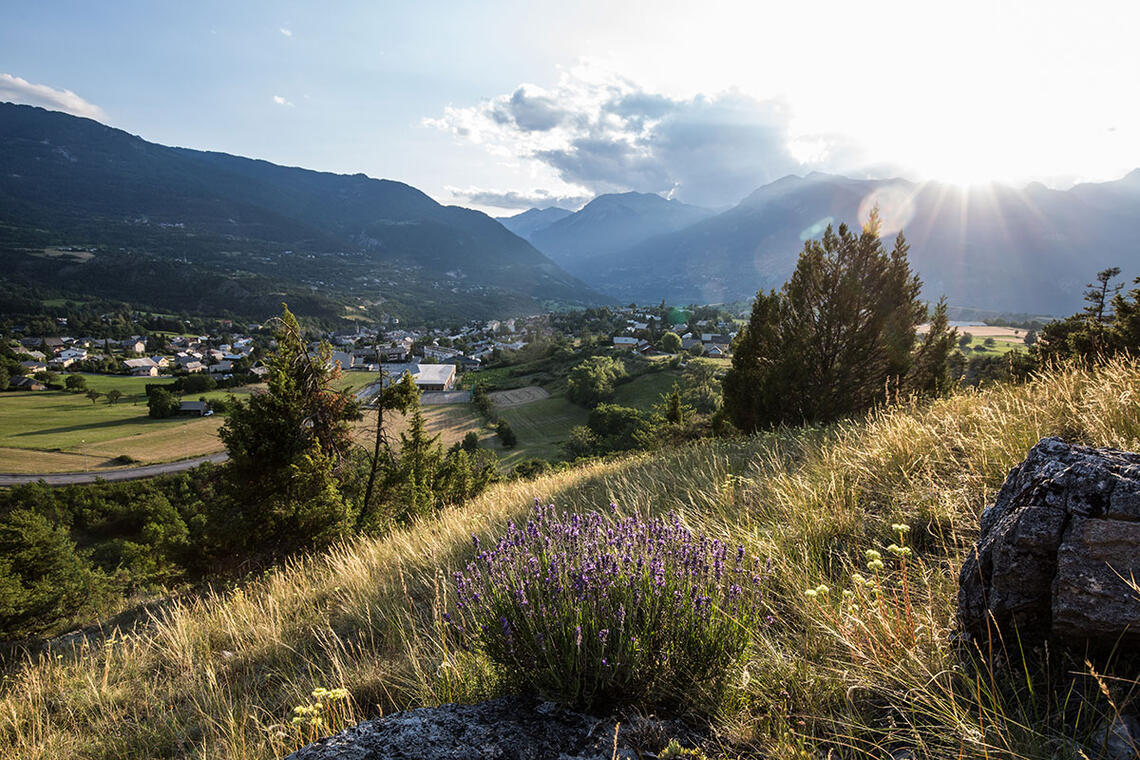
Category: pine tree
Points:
column 839, row 333
column 674, row 411
column 286, row 449
column 400, row 397
column 43, row 580
column 929, row 373
column 420, row 458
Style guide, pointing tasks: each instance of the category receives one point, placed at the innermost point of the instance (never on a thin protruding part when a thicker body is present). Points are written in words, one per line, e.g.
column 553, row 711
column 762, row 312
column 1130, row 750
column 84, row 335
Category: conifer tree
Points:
column 833, row 340
column 286, row 449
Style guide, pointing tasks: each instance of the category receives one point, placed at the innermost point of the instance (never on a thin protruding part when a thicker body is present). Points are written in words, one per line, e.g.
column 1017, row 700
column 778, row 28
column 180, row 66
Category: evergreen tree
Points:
column 1093, row 333
column 674, row 411
column 506, row 434
column 286, row 447
column 836, row 337
column 420, row 458
column 43, row 580
column 395, row 397
column 929, row 372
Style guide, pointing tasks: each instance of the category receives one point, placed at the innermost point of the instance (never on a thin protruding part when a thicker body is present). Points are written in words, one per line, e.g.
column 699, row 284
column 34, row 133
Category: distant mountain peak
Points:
column 528, row 222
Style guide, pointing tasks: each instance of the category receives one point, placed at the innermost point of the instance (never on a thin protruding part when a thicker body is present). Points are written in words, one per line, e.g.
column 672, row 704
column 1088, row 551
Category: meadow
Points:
column 60, row 431
column 871, row 675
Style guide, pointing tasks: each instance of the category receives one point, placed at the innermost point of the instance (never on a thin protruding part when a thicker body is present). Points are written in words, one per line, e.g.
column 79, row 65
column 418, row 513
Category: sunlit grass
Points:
column 220, row 676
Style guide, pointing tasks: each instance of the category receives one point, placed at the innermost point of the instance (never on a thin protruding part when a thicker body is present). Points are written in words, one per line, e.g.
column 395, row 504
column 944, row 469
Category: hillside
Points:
column 220, row 676
column 995, row 248
column 71, row 181
column 611, row 223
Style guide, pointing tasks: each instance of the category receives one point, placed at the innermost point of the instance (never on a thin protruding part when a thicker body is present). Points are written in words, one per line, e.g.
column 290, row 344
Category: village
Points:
column 85, row 399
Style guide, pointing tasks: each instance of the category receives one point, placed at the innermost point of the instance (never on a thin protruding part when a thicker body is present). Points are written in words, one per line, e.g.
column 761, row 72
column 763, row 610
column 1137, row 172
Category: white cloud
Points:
column 286, row 32
column 282, row 101
column 515, row 199
column 599, row 132
column 17, row 90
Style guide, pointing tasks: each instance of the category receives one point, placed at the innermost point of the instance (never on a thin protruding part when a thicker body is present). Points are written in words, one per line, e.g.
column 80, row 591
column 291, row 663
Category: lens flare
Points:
column 816, row 228
column 895, row 204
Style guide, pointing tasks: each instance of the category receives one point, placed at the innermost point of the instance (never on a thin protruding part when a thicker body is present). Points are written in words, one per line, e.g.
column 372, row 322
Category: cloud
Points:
column 17, row 90
column 514, row 199
column 286, row 32
column 601, row 133
column 282, row 101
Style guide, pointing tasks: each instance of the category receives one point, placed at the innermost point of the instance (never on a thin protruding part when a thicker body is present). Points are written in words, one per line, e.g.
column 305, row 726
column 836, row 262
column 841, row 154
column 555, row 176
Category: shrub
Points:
column 595, row 612
column 593, row 381
column 506, row 434
column 196, row 383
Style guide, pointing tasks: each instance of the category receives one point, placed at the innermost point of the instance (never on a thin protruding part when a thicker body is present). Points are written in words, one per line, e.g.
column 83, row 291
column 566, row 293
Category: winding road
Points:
column 7, row 480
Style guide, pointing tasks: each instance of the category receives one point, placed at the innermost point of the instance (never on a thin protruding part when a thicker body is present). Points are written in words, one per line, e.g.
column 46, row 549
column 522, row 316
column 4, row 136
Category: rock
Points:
column 1120, row 738
column 509, row 728
column 1057, row 548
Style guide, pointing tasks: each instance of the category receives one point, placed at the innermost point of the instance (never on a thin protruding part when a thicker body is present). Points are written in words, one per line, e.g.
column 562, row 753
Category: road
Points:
column 129, row 473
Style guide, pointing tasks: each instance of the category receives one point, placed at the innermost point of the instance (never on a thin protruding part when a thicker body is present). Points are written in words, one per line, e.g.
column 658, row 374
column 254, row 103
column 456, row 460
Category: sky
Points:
column 502, row 105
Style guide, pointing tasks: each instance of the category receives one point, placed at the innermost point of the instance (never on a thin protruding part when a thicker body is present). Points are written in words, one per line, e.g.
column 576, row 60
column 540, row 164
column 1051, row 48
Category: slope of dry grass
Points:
column 861, row 675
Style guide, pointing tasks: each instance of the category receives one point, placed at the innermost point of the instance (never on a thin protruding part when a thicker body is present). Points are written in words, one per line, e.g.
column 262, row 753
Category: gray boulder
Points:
column 509, row 728
column 1058, row 548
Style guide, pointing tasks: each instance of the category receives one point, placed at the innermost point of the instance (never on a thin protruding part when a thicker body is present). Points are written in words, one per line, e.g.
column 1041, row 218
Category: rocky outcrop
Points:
column 1058, row 549
column 510, row 728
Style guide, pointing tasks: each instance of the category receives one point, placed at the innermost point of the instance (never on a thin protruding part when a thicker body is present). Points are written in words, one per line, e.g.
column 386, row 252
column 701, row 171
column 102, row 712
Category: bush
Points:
column 594, row 612
column 529, row 469
column 506, row 434
column 196, row 383
column 593, row 381
column 162, row 404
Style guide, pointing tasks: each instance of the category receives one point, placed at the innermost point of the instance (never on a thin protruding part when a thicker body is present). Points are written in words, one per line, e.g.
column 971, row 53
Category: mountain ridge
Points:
column 612, row 222
column 67, row 179
column 994, row 247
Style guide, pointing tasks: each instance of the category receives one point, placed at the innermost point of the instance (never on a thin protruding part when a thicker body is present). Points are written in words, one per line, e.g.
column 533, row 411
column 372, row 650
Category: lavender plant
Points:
column 594, row 610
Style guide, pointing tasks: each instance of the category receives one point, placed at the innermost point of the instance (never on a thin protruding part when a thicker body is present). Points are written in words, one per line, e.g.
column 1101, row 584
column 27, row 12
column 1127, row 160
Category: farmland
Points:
column 60, row 431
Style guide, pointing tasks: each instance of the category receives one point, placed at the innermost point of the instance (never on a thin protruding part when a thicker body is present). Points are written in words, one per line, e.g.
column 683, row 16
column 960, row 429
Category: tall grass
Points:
column 863, row 674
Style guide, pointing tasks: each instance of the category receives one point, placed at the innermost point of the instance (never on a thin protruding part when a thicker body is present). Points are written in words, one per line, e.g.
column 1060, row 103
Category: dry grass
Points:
column 219, row 677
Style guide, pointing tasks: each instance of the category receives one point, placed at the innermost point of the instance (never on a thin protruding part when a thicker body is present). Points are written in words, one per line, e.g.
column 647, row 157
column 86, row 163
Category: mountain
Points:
column 989, row 247
column 611, row 223
column 74, row 182
column 532, row 220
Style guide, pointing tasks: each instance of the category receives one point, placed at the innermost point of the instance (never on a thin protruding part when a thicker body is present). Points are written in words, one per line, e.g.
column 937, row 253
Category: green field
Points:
column 1000, row 348
column 541, row 427
column 55, row 431
column 645, row 391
